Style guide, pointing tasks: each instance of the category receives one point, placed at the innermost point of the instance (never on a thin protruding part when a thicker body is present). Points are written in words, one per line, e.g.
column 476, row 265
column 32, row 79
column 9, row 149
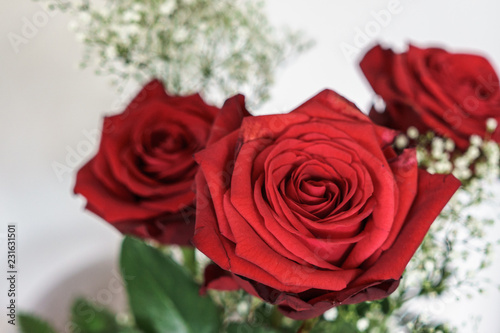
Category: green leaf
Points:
column 334, row 327
column 265, row 318
column 162, row 295
column 129, row 330
column 88, row 318
column 248, row 328
column 362, row 308
column 386, row 306
column 31, row 324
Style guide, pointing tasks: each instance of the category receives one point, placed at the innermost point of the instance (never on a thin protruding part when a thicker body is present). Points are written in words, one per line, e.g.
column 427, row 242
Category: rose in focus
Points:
column 431, row 89
column 141, row 179
column 311, row 209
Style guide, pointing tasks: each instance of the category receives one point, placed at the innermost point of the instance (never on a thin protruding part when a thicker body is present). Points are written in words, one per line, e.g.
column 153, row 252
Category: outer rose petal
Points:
column 169, row 229
column 323, row 103
column 209, row 198
column 229, row 118
column 348, row 296
column 105, row 203
column 423, row 212
column 218, row 279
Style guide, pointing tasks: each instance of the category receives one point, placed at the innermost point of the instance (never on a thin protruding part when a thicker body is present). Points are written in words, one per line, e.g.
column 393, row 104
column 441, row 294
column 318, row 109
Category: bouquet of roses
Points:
column 316, row 220
column 266, row 223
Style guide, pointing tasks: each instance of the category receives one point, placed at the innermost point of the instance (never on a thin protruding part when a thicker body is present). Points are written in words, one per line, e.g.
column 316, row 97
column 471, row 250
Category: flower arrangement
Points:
column 446, row 106
column 194, row 46
column 322, row 219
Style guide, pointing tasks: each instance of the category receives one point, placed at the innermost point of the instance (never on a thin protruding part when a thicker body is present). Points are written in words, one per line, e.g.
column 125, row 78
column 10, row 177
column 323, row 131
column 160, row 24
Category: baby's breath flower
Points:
column 476, row 140
column 379, row 104
column 491, row 125
column 242, row 308
column 437, row 147
column 472, row 153
column 363, row 324
column 481, row 169
column 461, row 163
column 412, row 132
column 462, row 174
column 421, row 155
column 449, row 145
column 449, row 241
column 443, row 166
column 401, row 141
column 212, row 47
column 167, row 7
column 131, row 16
column 331, row 314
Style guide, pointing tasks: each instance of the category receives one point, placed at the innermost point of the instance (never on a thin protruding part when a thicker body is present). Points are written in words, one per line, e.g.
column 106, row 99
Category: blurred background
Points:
column 50, row 111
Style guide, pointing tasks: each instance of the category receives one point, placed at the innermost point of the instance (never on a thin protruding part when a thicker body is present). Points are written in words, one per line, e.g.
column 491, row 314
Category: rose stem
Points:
column 189, row 256
column 276, row 318
column 308, row 325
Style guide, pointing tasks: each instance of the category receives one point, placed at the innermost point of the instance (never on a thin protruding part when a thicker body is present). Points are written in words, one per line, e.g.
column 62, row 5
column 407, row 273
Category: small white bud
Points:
column 180, row 35
column 476, row 140
column 461, row 163
column 242, row 308
column 331, row 314
column 462, row 173
column 379, row 104
column 131, row 16
column 491, row 125
column 481, row 169
column 437, row 147
column 473, row 152
column 449, row 145
column 443, row 166
column 138, row 7
column 412, row 132
column 401, row 141
column 363, row 324
column 429, row 266
column 110, row 52
column 167, row 7
column 421, row 155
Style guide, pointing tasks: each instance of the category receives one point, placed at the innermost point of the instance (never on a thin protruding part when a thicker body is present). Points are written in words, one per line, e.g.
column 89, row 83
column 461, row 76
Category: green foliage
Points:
column 247, row 328
column 31, row 324
column 163, row 296
column 88, row 318
column 216, row 47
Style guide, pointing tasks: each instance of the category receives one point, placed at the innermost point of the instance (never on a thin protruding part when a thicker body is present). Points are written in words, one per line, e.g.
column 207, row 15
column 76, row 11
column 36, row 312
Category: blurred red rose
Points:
column 141, row 179
column 451, row 94
column 311, row 209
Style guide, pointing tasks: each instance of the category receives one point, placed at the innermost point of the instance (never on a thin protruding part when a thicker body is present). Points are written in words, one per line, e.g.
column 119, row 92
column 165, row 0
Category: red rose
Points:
column 141, row 180
column 312, row 209
column 431, row 89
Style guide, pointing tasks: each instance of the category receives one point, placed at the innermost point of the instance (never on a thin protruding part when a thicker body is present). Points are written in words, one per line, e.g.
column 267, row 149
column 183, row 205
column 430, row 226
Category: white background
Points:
column 47, row 105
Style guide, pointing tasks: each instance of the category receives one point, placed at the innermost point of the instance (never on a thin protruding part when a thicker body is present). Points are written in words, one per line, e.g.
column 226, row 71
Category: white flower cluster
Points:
column 439, row 155
column 459, row 232
column 214, row 47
